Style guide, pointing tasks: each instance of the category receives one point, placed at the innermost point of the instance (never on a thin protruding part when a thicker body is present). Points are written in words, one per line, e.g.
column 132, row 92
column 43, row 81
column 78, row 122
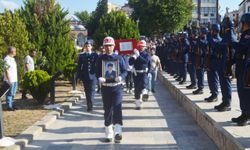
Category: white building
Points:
column 205, row 11
column 244, row 7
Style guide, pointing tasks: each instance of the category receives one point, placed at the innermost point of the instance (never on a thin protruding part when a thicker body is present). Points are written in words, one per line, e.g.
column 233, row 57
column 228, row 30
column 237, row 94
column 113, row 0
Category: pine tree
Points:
column 101, row 10
column 51, row 30
column 117, row 25
column 13, row 32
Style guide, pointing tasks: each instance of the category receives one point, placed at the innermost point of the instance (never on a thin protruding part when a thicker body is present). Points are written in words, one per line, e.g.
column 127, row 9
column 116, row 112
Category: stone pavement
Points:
column 161, row 124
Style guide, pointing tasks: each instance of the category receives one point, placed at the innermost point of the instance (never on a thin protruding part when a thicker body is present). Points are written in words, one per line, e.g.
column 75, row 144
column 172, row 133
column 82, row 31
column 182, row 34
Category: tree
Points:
column 13, row 33
column 117, row 25
column 101, row 10
column 50, row 32
column 159, row 16
column 84, row 16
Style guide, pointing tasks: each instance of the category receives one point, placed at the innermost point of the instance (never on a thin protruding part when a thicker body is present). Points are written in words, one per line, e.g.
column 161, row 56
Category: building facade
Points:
column 206, row 11
column 78, row 32
column 244, row 7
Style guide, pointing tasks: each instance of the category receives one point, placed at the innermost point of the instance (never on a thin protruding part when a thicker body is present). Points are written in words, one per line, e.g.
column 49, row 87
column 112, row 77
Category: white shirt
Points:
column 30, row 63
column 11, row 67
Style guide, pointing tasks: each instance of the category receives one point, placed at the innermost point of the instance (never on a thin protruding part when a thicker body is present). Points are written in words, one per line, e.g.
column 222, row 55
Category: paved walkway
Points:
column 161, row 124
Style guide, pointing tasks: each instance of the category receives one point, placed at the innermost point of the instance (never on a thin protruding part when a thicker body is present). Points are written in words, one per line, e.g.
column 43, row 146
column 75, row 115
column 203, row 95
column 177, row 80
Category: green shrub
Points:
column 38, row 82
column 69, row 71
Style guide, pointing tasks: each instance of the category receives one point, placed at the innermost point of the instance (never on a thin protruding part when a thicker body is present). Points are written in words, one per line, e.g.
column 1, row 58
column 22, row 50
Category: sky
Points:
column 90, row 5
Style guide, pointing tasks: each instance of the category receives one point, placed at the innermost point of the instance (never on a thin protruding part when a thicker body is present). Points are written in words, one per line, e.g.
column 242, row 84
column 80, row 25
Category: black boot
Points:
column 212, row 98
column 198, row 91
column 245, row 120
column 241, row 117
column 191, row 86
column 223, row 107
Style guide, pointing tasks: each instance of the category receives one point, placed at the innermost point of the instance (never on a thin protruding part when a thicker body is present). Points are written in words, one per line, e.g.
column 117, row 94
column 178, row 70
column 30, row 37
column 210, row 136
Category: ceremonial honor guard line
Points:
column 217, row 125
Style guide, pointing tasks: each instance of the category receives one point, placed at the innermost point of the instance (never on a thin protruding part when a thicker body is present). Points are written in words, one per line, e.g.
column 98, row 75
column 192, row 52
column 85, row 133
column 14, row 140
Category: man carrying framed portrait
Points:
column 111, row 71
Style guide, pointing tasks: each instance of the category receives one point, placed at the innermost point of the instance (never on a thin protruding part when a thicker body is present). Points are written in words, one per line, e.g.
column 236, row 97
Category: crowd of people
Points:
column 213, row 50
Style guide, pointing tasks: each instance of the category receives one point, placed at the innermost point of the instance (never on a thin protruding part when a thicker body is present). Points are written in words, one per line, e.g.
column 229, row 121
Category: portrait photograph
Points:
column 110, row 69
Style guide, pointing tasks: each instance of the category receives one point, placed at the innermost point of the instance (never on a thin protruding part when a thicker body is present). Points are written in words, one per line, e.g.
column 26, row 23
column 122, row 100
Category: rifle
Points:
column 228, row 28
column 208, row 58
column 229, row 64
column 198, row 58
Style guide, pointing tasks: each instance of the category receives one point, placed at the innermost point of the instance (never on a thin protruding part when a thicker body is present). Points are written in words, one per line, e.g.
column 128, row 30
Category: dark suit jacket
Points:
column 87, row 66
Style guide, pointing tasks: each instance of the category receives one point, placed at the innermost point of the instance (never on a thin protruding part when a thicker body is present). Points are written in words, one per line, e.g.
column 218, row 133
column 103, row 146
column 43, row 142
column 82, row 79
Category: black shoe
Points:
column 198, row 91
column 182, row 82
column 10, row 109
column 223, row 107
column 244, row 121
column 241, row 117
column 212, row 98
column 118, row 138
column 191, row 86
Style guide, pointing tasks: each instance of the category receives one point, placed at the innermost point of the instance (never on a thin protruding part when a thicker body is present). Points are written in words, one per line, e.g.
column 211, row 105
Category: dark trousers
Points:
column 112, row 104
column 243, row 93
column 225, row 82
column 89, row 89
column 183, row 71
column 140, row 83
column 192, row 73
column 200, row 77
column 213, row 81
column 129, row 80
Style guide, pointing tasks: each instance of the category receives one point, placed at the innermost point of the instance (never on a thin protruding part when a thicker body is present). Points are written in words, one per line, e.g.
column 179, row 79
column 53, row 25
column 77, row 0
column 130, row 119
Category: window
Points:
column 212, row 14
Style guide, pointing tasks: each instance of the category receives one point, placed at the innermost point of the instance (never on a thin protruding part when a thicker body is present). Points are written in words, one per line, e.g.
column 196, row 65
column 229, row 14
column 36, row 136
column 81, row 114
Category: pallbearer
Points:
column 141, row 62
column 111, row 89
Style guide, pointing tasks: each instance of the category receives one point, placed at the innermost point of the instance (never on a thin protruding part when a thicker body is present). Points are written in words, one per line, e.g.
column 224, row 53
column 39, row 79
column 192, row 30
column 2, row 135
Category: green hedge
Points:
column 38, row 82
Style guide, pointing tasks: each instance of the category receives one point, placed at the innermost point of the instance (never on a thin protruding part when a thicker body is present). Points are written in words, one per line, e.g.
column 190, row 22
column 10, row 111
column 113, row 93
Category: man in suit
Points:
column 86, row 72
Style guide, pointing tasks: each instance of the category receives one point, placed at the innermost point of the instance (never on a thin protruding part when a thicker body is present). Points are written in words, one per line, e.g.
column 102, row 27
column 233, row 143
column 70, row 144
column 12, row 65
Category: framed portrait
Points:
column 110, row 70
